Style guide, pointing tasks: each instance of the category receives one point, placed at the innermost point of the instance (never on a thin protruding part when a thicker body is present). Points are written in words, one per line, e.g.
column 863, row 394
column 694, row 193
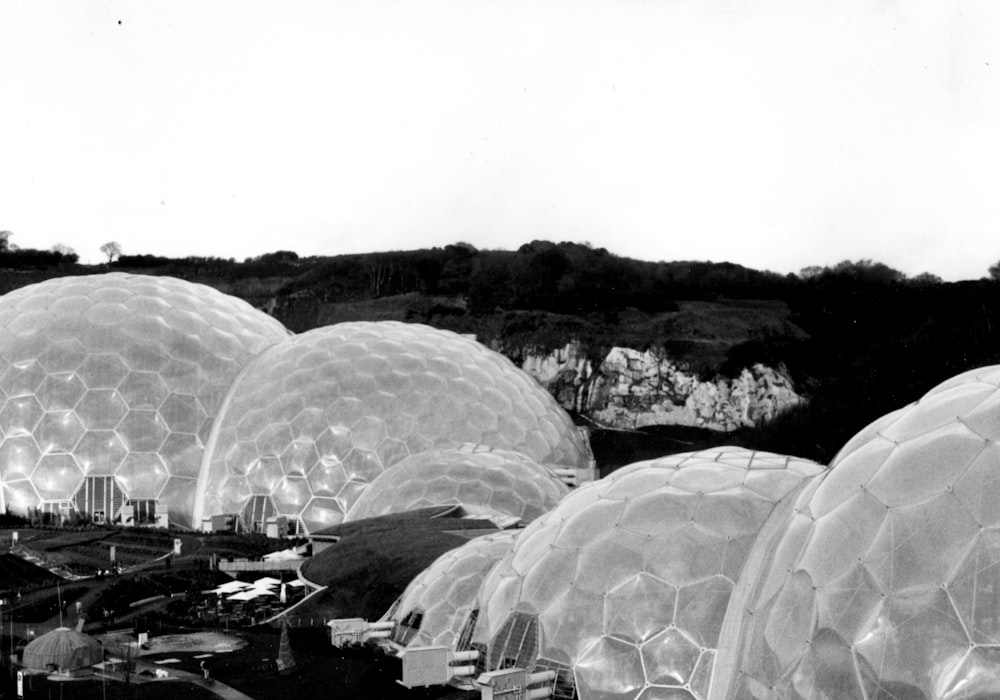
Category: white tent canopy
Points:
column 283, row 555
column 232, row 587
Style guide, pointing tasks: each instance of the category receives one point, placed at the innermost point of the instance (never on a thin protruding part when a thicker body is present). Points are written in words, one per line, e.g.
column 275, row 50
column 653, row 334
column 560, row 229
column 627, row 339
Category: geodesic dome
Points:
column 438, row 608
column 882, row 579
column 492, row 483
column 623, row 587
column 64, row 649
column 110, row 384
column 317, row 418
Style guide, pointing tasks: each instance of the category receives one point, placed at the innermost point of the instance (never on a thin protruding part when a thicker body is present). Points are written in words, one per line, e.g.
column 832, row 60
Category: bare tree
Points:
column 5, row 240
column 112, row 249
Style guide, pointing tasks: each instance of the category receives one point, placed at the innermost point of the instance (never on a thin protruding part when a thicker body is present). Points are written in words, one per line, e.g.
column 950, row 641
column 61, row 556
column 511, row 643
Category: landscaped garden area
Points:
column 171, row 598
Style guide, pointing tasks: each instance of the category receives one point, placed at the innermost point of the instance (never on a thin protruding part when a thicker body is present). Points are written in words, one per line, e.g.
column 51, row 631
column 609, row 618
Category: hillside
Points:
column 857, row 340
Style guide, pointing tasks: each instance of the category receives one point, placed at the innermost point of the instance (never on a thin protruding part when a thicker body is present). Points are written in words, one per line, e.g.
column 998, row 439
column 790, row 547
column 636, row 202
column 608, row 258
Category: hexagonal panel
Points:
column 143, row 430
column 142, row 475
column 144, row 328
column 264, row 475
column 321, row 513
column 57, row 477
column 20, row 416
column 100, row 452
column 368, row 432
column 182, row 413
column 299, row 458
column 145, row 357
column 182, row 454
column 29, row 322
column 60, row 392
column 291, row 495
column 639, row 608
column 58, row 431
column 920, row 544
column 181, row 376
column 701, row 609
column 309, row 424
column 325, row 478
column 20, row 496
column 18, row 457
column 237, row 490
column 143, row 390
column 179, row 495
column 105, row 371
column 976, row 586
column 22, row 378
column 334, row 443
column 610, row 668
column 106, row 313
column 101, row 409
column 928, row 623
column 362, row 465
column 274, row 440
column 670, row 658
column 64, row 356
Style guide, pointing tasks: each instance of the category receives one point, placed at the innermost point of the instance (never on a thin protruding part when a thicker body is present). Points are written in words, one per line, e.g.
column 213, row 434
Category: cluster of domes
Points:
column 628, row 579
column 730, row 574
column 314, row 420
column 712, row 575
column 161, row 394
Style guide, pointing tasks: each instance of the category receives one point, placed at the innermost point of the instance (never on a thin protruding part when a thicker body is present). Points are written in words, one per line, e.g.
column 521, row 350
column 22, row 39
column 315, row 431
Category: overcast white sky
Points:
column 772, row 133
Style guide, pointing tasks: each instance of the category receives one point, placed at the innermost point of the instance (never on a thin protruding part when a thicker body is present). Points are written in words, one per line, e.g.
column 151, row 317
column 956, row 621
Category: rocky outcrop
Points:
column 631, row 389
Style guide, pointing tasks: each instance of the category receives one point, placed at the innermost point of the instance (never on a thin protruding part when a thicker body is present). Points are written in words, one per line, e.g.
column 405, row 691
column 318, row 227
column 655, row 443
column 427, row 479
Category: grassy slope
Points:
column 17, row 573
column 376, row 559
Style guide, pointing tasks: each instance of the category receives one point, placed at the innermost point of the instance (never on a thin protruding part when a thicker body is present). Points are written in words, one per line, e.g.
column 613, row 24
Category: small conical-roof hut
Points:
column 64, row 649
column 286, row 659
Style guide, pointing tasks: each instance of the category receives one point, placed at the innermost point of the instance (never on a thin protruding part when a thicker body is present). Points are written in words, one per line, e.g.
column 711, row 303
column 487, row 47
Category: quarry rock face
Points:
column 632, row 388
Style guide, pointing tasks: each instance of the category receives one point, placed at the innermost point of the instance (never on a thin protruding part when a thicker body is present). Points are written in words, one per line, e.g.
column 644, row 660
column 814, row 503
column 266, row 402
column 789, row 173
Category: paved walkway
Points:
column 220, row 689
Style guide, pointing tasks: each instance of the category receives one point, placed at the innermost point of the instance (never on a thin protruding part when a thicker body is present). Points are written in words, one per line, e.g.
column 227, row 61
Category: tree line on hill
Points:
column 872, row 338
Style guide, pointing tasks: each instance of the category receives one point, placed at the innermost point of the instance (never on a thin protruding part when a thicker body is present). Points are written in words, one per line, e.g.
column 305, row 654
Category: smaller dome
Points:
column 492, row 483
column 64, row 649
column 439, row 607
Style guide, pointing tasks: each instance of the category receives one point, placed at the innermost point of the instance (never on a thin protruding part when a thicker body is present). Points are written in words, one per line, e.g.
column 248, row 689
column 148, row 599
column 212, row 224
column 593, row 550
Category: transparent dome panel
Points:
column 875, row 581
column 57, row 477
column 58, row 431
column 368, row 395
column 637, row 570
column 100, row 452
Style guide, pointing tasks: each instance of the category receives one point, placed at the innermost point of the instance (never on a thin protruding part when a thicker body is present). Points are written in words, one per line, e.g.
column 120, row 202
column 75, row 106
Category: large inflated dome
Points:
column 882, row 580
column 491, row 483
column 624, row 586
column 438, row 608
column 317, row 418
column 63, row 649
column 109, row 385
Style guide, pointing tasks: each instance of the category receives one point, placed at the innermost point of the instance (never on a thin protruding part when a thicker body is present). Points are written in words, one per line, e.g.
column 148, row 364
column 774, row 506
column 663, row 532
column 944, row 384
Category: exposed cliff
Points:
column 632, row 389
